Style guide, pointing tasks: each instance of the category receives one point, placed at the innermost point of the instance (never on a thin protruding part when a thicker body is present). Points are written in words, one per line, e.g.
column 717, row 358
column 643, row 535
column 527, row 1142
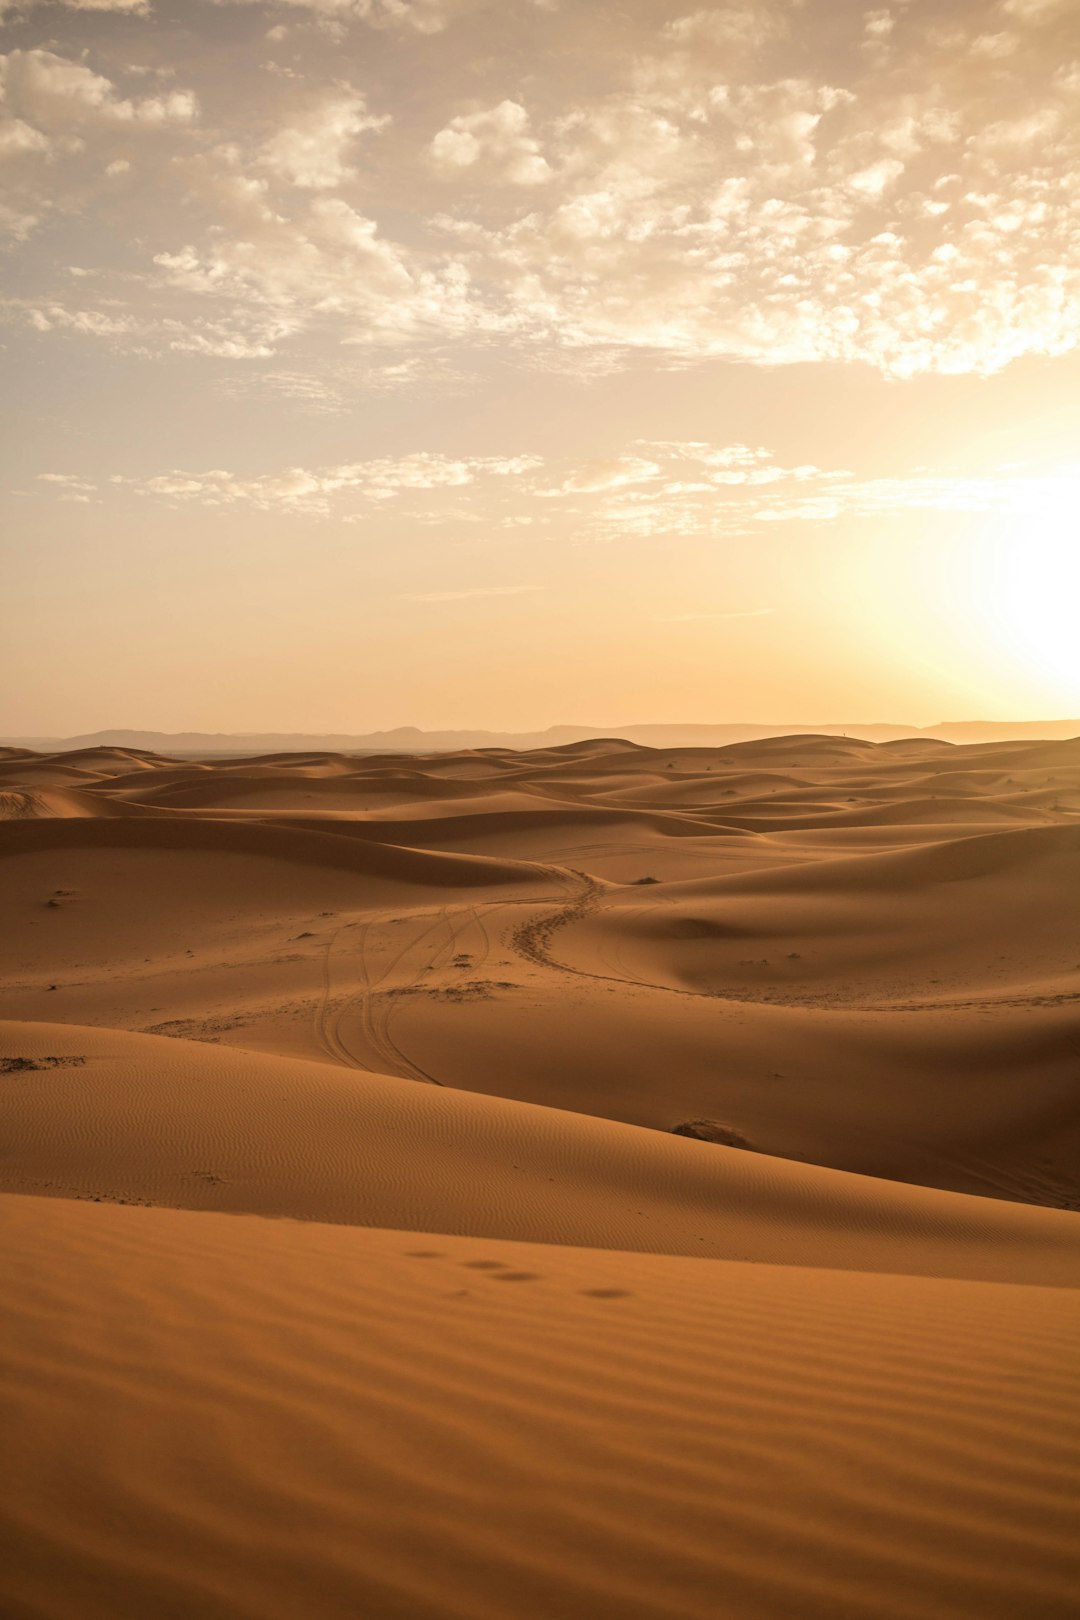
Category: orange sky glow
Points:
column 380, row 362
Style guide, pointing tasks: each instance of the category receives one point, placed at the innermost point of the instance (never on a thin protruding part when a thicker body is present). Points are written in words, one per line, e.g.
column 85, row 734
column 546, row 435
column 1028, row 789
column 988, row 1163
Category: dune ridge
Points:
column 354, row 1256
column 450, row 1427
column 137, row 1118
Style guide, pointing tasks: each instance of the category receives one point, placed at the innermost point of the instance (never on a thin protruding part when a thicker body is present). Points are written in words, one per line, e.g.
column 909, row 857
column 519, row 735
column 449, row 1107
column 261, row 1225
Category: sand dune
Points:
column 31, row 803
column 273, row 1420
column 898, row 1001
column 98, row 1114
column 304, row 1058
column 307, row 846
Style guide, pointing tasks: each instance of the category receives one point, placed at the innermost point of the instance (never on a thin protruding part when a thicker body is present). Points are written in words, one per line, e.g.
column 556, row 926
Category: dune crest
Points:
column 856, row 954
column 596, row 1180
column 375, row 1422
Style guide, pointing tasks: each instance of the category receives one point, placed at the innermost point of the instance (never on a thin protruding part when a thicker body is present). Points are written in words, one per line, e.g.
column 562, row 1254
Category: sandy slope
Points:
column 314, row 1056
column 92, row 1114
column 820, row 965
column 225, row 1417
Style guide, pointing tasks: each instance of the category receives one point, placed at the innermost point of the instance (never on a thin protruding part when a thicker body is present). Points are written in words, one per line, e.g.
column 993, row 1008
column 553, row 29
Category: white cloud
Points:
column 791, row 257
column 85, row 322
column 222, row 344
column 742, row 24
column 70, row 488
column 17, row 136
column 994, row 46
column 303, row 489
column 329, row 262
column 137, row 7
column 53, row 93
column 496, row 140
column 66, row 481
column 417, row 16
column 923, row 219
column 598, row 477
column 313, row 152
column 875, row 179
column 1036, row 11
column 508, row 492
column 879, row 24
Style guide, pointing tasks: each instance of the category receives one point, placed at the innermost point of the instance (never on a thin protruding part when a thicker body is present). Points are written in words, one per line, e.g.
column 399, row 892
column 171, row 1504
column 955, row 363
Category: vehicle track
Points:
column 380, row 986
column 533, row 939
column 326, row 1023
column 613, row 957
column 376, row 1002
column 381, row 1005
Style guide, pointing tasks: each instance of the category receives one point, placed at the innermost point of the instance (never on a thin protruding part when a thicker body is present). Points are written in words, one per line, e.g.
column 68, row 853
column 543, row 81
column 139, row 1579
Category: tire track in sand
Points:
column 325, row 1021
column 376, row 1002
column 376, row 999
column 533, row 939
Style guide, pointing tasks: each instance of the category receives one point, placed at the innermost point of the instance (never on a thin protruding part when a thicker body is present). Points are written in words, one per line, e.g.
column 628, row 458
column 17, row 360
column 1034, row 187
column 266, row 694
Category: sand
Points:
column 351, row 1265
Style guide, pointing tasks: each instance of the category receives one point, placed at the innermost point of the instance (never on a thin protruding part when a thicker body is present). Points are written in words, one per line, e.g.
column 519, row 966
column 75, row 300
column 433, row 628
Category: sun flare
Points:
column 1030, row 586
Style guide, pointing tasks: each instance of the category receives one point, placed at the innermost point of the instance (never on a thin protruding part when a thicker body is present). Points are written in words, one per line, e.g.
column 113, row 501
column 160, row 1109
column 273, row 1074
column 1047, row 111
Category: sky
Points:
column 448, row 363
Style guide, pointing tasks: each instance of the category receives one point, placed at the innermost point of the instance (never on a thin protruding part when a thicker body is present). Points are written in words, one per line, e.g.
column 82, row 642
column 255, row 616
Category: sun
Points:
column 1026, row 590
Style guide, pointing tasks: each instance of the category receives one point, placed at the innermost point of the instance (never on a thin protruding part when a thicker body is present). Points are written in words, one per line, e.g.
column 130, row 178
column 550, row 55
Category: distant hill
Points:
column 411, row 740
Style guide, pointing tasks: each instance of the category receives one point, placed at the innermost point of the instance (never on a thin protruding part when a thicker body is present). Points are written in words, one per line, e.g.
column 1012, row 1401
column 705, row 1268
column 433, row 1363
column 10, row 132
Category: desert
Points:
column 589, row 1180
column 539, row 810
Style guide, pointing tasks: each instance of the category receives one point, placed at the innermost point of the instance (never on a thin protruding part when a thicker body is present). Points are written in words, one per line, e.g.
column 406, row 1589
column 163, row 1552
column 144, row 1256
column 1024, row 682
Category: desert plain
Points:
column 602, row 1181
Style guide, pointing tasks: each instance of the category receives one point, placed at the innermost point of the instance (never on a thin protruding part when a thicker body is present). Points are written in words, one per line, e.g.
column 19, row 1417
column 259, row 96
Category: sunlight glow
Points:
column 1028, row 587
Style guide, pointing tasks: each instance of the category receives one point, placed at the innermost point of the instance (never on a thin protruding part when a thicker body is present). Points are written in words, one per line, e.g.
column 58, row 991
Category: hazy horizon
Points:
column 656, row 734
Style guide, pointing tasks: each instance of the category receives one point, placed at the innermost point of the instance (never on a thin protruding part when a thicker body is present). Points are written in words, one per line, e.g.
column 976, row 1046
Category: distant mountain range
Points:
column 411, row 740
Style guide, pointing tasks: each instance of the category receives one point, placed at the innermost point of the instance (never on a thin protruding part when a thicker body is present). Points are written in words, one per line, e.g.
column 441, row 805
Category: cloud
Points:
column 598, row 477
column 18, row 223
column 739, row 25
column 313, row 151
column 732, row 464
column 1035, row 11
column 56, row 115
column 135, row 7
column 326, row 262
column 506, row 492
column 53, row 93
column 879, row 24
column 497, row 141
column 17, row 136
column 85, row 322
column 320, row 490
column 70, row 488
column 994, row 46
column 877, row 177
column 793, row 220
column 416, row 16
column 706, row 192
